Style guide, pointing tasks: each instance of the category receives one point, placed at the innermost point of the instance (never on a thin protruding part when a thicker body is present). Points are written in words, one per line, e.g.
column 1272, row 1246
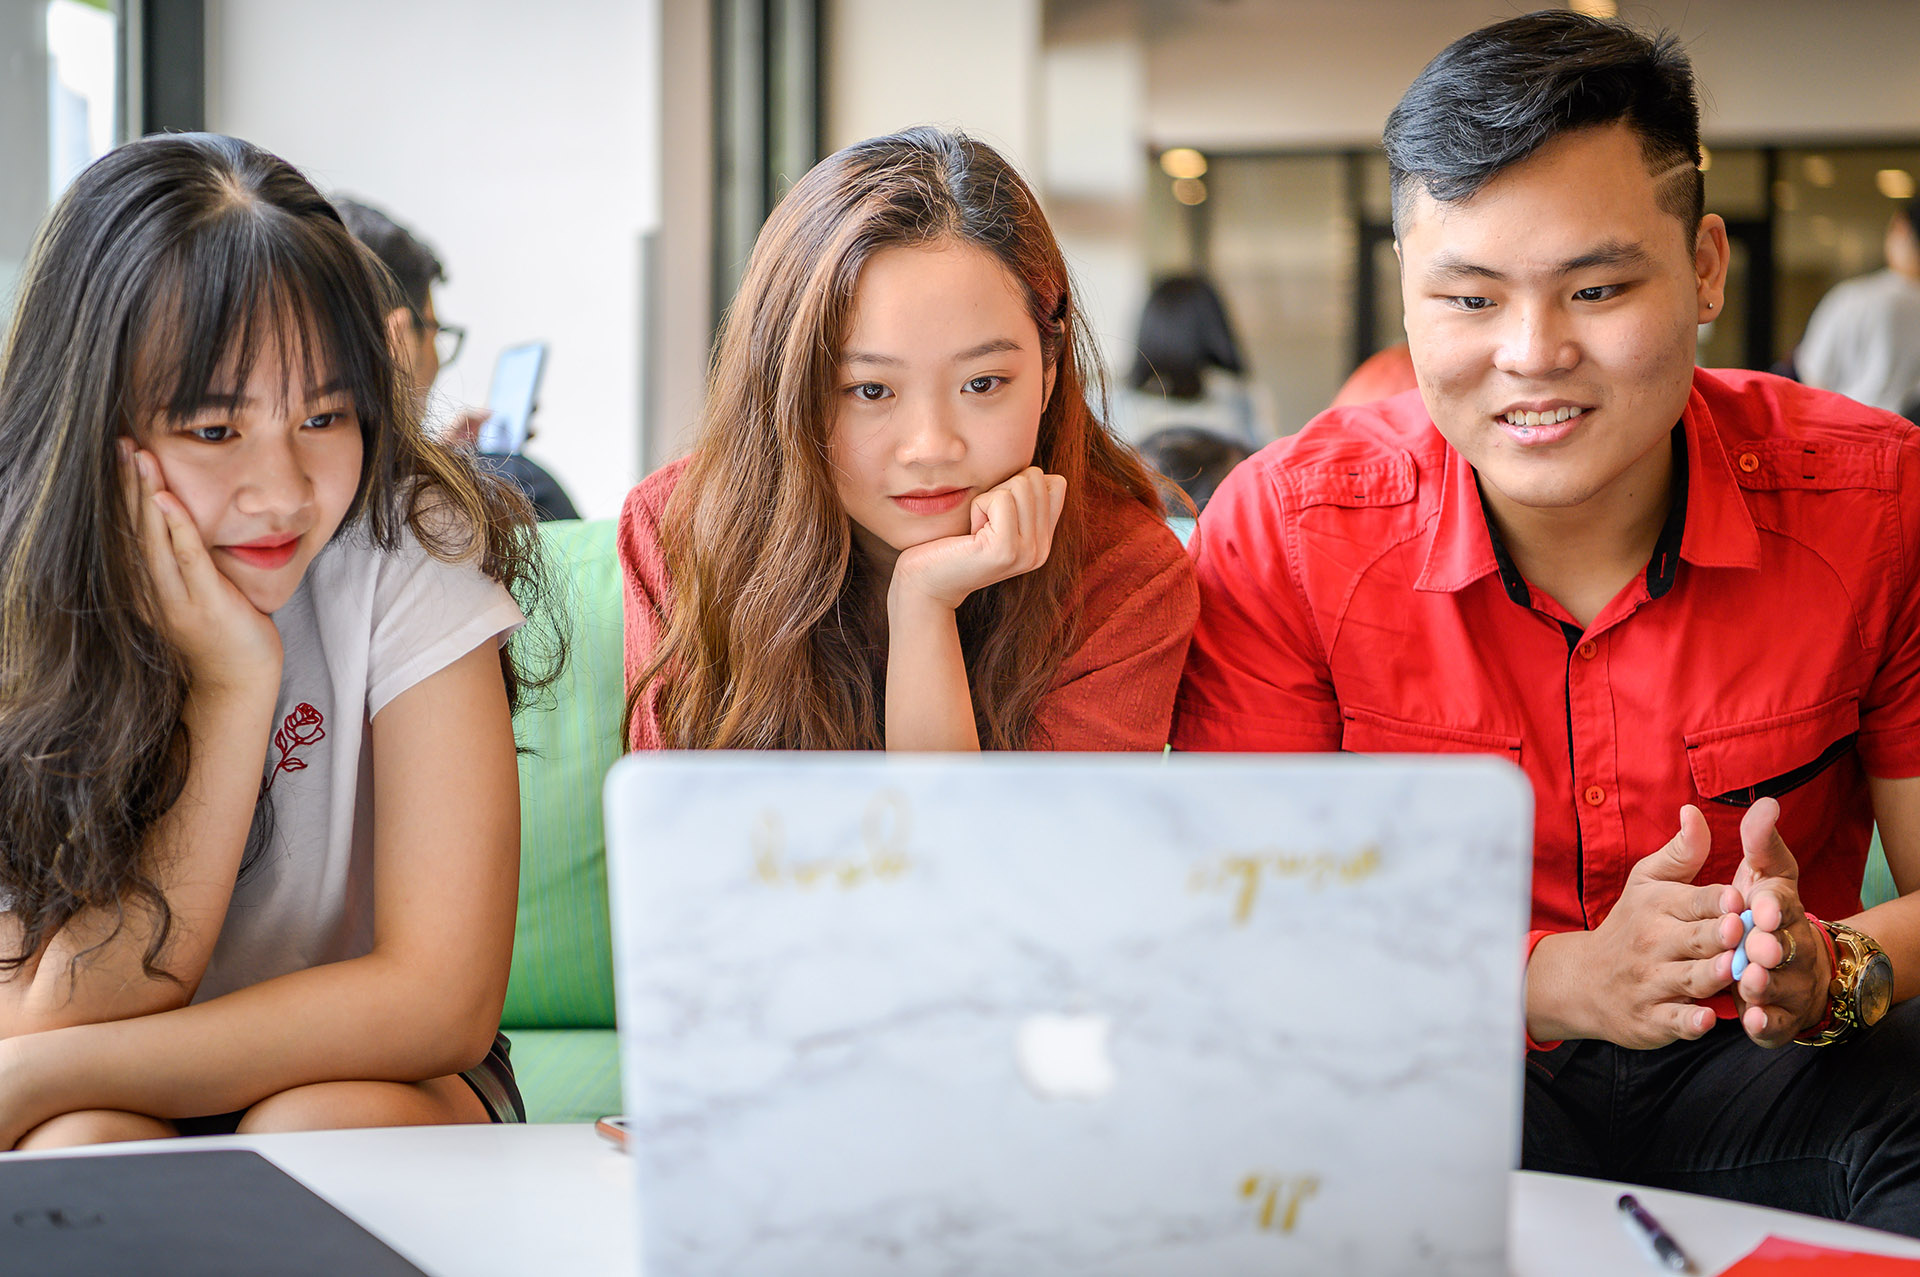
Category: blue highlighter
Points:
column 1740, row 954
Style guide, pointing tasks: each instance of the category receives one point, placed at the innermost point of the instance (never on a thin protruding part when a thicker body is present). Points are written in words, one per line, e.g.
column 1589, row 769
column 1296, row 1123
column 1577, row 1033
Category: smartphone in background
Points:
column 613, row 1130
column 514, row 395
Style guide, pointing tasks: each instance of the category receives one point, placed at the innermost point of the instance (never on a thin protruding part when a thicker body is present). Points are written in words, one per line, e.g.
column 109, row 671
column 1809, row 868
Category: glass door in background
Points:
column 60, row 109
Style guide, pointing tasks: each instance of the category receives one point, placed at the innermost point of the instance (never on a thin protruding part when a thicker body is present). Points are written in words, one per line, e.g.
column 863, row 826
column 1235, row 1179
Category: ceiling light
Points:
column 1183, row 162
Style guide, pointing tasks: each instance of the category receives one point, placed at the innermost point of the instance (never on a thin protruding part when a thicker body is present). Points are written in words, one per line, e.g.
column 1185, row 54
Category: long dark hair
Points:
column 776, row 637
column 1183, row 332
column 168, row 262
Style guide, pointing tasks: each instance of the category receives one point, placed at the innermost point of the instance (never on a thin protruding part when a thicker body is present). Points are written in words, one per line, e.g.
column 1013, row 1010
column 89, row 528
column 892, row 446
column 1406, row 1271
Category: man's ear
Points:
column 1711, row 256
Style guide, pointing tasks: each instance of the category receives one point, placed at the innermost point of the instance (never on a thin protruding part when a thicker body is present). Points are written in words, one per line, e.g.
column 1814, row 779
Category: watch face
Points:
column 1874, row 995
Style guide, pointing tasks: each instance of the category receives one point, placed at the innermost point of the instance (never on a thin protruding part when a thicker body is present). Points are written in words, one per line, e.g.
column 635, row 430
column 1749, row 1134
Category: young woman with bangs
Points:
column 902, row 526
column 258, row 865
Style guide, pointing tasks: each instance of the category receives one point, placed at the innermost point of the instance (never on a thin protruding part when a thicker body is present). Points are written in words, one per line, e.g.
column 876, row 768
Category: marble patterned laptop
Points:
column 1070, row 1014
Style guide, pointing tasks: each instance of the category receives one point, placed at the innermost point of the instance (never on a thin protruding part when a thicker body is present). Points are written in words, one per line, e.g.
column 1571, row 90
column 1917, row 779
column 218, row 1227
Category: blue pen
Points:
column 1661, row 1247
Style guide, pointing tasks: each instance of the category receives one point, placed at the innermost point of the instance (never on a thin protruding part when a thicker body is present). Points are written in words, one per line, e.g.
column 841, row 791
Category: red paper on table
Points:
column 1778, row 1257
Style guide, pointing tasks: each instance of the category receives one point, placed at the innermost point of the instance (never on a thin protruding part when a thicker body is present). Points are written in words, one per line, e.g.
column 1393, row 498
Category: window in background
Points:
column 1736, row 188
column 59, row 110
column 1275, row 236
column 82, row 87
column 1832, row 205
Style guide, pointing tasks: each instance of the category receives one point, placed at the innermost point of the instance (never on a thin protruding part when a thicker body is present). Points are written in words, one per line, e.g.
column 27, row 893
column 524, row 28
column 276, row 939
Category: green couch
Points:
column 559, row 1009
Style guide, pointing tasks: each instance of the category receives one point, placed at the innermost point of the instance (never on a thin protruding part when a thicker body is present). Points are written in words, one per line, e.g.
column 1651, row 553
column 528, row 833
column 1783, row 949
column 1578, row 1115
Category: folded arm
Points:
column 425, row 1002
column 92, row 969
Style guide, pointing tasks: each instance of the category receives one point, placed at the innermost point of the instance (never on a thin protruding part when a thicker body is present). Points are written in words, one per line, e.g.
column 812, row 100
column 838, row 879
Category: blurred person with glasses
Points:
column 424, row 345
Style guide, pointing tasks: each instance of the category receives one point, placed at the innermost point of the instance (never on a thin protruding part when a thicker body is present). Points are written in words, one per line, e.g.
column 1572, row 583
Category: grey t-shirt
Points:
column 363, row 627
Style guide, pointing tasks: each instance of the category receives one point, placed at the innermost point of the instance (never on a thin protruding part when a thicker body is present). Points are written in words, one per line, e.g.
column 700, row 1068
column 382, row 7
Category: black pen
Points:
column 1660, row 1244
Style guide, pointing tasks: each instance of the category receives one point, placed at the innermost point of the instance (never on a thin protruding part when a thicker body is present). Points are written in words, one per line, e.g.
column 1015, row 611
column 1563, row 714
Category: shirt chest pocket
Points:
column 1736, row 765
column 1364, row 732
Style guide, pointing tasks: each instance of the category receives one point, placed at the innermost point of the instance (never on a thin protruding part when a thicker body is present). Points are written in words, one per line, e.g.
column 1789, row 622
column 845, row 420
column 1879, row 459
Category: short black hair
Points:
column 1183, row 332
column 413, row 265
column 1195, row 460
column 1912, row 212
column 1495, row 96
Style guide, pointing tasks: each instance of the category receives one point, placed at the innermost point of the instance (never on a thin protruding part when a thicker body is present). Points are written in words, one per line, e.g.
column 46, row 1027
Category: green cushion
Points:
column 562, row 953
column 567, row 1075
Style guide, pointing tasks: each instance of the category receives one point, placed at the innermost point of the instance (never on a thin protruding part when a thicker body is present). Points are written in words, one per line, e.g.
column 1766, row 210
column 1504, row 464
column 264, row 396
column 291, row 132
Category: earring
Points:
column 1710, row 305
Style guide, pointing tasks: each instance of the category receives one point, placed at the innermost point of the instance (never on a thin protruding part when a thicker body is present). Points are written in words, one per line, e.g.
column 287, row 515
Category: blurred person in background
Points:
column 422, row 345
column 1192, row 459
column 1864, row 337
column 1188, row 370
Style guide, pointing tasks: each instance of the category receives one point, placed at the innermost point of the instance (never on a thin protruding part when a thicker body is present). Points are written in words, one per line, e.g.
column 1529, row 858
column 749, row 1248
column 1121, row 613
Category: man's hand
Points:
column 463, row 430
column 1637, row 978
column 1777, row 999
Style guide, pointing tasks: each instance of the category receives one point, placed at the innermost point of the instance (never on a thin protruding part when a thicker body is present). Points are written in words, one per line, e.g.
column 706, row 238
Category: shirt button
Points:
column 1749, row 462
column 1595, row 795
column 1587, row 649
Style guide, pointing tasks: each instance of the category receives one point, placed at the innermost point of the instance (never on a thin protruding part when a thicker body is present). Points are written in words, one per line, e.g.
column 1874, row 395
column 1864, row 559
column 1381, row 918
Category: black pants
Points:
column 1831, row 1131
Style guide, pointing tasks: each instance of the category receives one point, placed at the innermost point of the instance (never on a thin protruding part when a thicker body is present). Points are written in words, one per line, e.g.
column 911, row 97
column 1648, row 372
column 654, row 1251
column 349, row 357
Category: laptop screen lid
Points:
column 226, row 1212
column 1070, row 1013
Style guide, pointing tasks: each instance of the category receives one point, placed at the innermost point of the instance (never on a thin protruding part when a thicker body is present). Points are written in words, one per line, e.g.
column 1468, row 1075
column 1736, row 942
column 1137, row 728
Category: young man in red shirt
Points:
column 1687, row 604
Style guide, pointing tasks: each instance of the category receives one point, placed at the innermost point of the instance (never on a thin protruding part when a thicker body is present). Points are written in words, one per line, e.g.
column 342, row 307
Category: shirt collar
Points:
column 1459, row 549
column 1720, row 530
column 1708, row 523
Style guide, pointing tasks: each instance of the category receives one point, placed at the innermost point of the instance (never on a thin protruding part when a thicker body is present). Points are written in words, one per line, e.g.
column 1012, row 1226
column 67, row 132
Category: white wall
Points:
column 521, row 141
column 1093, row 103
column 684, row 300
column 891, row 64
column 1065, row 110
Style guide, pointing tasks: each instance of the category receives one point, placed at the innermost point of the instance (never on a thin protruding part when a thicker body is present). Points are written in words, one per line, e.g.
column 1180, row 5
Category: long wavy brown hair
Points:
column 169, row 263
column 775, row 636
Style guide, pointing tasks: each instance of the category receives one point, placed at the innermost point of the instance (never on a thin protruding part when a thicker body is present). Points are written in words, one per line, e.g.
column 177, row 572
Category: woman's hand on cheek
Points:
column 229, row 644
column 1012, row 534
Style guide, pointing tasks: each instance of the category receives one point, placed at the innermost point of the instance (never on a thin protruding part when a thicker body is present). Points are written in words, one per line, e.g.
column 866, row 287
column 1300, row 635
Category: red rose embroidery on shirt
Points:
column 300, row 728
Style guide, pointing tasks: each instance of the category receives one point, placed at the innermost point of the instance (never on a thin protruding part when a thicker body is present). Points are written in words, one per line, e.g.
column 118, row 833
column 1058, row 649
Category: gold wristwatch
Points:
column 1862, row 988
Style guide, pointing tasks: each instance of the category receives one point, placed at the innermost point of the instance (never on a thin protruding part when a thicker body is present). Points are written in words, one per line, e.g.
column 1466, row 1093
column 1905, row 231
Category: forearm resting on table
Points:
column 92, row 969
column 929, row 704
column 376, row 1018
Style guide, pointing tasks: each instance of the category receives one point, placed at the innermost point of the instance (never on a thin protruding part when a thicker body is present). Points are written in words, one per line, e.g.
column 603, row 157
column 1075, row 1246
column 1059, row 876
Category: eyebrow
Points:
column 216, row 402
column 1615, row 254
column 993, row 347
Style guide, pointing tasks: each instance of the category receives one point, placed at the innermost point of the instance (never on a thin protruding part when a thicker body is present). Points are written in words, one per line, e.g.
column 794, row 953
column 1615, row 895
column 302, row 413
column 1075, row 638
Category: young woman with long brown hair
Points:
column 901, row 525
column 260, row 846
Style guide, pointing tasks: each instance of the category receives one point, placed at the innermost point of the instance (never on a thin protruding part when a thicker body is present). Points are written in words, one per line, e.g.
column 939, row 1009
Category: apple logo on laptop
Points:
column 1065, row 1057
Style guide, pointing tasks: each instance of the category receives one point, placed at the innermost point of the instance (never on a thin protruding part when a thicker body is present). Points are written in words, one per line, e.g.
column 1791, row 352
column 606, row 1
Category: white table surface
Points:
column 481, row 1201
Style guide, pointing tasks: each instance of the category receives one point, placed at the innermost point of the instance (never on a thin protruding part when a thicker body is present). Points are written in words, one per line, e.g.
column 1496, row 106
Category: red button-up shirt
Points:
column 1354, row 597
